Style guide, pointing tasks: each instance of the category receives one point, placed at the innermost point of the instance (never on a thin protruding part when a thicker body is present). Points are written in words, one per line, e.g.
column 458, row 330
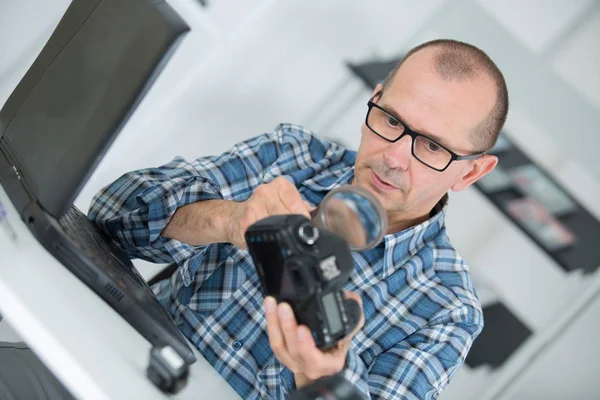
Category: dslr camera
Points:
column 306, row 267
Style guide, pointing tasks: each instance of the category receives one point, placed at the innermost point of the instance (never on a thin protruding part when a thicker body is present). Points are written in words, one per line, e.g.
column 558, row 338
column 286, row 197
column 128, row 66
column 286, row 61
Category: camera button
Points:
column 308, row 233
column 236, row 345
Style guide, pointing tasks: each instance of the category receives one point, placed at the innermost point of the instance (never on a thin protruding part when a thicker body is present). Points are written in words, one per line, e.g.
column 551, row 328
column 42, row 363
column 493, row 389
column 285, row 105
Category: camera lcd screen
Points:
column 273, row 268
column 332, row 313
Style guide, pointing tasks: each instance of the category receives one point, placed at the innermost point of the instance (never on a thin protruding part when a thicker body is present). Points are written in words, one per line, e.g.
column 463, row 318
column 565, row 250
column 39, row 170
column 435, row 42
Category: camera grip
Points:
column 353, row 313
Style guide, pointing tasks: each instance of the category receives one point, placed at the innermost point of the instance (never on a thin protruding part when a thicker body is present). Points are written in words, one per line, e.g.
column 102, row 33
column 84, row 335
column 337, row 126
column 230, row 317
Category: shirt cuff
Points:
column 162, row 202
column 356, row 373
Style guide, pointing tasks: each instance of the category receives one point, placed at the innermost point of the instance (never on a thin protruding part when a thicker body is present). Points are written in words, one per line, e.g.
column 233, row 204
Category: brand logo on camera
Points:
column 329, row 268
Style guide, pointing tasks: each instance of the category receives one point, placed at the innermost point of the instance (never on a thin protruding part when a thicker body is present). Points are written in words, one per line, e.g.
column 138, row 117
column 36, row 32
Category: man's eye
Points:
column 433, row 147
column 393, row 121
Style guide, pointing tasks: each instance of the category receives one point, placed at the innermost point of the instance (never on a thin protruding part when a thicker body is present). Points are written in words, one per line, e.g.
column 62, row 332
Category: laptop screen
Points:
column 72, row 102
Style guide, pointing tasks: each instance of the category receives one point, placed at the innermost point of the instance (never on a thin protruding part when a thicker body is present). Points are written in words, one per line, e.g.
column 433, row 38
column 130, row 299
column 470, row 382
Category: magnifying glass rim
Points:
column 320, row 218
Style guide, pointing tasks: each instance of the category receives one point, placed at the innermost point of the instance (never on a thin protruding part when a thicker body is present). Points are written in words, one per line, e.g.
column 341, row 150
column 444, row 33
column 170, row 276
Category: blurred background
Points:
column 248, row 65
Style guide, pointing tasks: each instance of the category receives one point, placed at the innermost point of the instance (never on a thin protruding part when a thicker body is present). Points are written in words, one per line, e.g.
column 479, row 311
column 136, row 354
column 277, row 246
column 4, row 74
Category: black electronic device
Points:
column 334, row 387
column 306, row 267
column 167, row 370
column 58, row 123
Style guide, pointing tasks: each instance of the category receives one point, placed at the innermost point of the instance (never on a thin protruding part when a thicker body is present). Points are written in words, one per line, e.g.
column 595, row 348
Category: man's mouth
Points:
column 380, row 183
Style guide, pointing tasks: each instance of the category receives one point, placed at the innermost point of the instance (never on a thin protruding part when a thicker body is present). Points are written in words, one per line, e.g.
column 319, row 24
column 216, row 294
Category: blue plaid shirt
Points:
column 420, row 307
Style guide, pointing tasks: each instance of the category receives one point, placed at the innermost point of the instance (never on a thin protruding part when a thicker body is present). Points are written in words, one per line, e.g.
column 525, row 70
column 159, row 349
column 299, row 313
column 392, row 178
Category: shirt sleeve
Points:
column 418, row 367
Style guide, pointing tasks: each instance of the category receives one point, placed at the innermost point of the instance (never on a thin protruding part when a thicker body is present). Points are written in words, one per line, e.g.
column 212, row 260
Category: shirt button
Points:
column 237, row 345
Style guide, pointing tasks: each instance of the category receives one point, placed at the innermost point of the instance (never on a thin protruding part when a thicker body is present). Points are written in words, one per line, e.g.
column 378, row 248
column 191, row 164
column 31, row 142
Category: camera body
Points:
column 306, row 267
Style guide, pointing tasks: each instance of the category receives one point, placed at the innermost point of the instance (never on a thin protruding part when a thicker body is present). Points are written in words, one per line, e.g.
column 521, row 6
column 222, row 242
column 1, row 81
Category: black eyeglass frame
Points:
column 413, row 135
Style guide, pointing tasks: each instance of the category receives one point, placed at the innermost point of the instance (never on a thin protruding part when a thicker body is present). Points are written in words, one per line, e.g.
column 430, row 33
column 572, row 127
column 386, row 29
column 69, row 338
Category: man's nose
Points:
column 398, row 155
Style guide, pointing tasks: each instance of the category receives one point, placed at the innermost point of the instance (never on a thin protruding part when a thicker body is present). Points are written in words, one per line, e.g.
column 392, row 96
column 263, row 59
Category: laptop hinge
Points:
column 12, row 180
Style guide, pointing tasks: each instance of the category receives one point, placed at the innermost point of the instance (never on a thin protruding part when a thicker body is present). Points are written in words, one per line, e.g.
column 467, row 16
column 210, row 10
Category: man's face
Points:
column 445, row 111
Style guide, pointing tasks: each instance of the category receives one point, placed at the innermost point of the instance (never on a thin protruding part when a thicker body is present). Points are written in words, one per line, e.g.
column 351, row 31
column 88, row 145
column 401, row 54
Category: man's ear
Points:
column 479, row 168
column 378, row 88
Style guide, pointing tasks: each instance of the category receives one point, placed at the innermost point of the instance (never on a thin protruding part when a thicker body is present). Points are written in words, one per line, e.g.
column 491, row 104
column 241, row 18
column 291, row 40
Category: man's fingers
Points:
column 280, row 197
column 265, row 201
column 274, row 206
column 308, row 206
column 291, row 199
column 316, row 362
column 273, row 330
column 353, row 295
column 295, row 346
column 276, row 339
column 289, row 328
column 311, row 355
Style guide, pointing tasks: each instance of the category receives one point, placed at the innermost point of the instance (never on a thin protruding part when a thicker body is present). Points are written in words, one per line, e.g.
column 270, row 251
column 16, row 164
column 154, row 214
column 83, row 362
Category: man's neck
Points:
column 395, row 226
column 401, row 222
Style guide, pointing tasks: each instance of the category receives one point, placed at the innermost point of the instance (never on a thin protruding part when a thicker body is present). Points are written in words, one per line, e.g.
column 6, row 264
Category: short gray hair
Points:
column 459, row 60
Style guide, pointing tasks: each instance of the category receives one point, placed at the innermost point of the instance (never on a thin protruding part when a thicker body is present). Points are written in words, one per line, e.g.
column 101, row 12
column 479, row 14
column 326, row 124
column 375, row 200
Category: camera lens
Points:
column 308, row 233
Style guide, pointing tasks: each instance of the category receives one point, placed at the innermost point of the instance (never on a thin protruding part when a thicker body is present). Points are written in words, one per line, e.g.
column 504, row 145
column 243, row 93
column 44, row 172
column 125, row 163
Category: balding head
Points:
column 456, row 61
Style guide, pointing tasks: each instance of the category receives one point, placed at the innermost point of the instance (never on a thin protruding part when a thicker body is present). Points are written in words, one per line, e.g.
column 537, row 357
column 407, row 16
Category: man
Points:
column 426, row 131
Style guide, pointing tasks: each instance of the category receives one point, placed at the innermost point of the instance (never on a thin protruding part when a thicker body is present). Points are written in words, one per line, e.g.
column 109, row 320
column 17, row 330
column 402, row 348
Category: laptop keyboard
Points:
column 106, row 256
column 95, row 245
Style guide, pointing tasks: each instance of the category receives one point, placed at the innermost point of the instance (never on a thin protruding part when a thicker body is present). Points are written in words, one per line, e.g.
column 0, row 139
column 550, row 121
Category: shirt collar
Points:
column 402, row 246
column 423, row 230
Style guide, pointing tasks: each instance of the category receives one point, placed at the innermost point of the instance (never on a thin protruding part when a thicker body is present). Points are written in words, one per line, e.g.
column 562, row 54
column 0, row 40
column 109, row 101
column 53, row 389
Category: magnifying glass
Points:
column 353, row 213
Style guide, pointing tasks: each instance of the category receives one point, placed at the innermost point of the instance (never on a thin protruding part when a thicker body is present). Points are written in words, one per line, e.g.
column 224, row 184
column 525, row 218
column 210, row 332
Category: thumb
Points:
column 312, row 210
column 309, row 207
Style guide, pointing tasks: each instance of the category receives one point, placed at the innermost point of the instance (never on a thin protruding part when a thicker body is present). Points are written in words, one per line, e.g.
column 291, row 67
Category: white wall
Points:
column 248, row 65
column 568, row 369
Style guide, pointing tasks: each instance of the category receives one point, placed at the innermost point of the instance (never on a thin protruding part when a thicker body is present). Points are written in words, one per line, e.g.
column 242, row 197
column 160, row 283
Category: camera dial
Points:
column 308, row 233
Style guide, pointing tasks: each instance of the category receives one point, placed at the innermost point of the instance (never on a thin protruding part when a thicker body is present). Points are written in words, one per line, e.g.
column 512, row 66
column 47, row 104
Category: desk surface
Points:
column 86, row 344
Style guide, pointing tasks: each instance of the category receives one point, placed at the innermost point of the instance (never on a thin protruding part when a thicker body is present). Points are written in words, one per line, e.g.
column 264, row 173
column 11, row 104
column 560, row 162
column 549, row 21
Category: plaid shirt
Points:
column 420, row 307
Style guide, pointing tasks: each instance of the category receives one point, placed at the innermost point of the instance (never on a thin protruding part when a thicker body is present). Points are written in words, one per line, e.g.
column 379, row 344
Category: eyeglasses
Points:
column 424, row 149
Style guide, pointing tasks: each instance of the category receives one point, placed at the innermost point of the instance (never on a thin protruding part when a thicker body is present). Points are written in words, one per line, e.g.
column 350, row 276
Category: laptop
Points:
column 58, row 123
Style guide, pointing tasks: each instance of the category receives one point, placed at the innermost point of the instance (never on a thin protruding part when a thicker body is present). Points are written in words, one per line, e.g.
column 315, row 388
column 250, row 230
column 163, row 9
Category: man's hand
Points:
column 277, row 197
column 295, row 347
column 216, row 221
